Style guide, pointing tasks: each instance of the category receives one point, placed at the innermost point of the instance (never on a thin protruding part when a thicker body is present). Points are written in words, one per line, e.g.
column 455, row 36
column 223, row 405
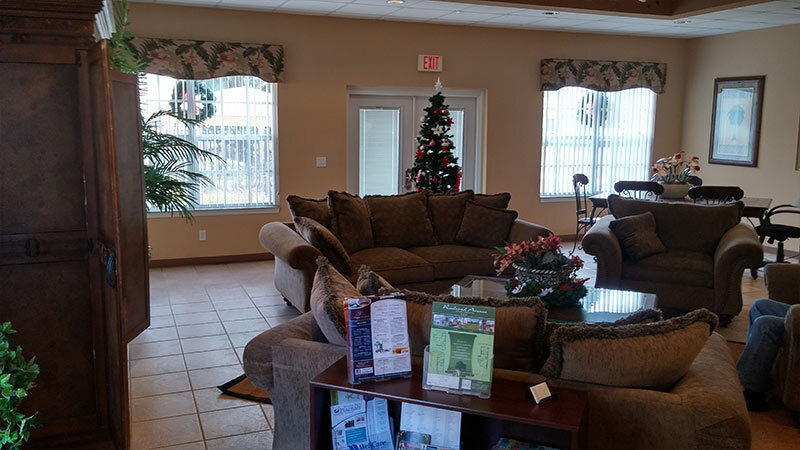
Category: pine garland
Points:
column 435, row 167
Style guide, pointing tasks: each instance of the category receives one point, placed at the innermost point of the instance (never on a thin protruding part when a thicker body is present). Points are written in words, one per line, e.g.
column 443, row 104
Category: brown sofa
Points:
column 430, row 268
column 783, row 284
column 704, row 409
column 707, row 251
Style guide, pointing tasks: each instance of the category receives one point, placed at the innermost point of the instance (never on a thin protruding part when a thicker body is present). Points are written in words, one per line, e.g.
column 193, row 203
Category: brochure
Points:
column 377, row 337
column 359, row 422
column 425, row 427
column 461, row 348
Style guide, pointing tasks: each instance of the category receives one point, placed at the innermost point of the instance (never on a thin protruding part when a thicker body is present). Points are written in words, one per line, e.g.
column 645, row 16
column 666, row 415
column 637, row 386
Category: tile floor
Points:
column 202, row 317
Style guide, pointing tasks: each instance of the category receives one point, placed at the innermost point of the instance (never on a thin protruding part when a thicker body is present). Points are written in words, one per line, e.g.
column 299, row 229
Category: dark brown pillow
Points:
column 484, row 226
column 637, row 236
column 321, row 238
column 350, row 221
column 494, row 200
column 447, row 210
column 400, row 220
column 369, row 282
column 328, row 293
column 316, row 209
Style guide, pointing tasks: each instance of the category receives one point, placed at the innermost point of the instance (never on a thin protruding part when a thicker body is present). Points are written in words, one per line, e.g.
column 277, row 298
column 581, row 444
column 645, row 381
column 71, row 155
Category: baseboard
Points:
column 224, row 259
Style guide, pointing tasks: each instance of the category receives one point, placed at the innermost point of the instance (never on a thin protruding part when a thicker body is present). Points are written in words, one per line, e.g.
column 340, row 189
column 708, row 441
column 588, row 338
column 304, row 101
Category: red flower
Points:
column 445, row 161
column 446, row 112
column 677, row 156
column 580, row 282
column 437, row 111
column 565, row 287
column 449, row 121
column 418, row 155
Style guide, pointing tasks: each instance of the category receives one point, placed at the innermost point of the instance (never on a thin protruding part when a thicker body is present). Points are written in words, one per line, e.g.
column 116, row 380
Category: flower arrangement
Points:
column 675, row 169
column 542, row 270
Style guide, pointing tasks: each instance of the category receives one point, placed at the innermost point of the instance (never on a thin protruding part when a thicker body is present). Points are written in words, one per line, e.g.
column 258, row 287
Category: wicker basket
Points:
column 543, row 277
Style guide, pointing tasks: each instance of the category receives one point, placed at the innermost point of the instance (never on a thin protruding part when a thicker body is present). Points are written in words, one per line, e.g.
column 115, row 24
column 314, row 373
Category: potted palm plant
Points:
column 673, row 173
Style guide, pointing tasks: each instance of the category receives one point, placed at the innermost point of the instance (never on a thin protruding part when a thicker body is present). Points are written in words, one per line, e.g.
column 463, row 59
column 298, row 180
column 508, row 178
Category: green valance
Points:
column 198, row 60
column 602, row 75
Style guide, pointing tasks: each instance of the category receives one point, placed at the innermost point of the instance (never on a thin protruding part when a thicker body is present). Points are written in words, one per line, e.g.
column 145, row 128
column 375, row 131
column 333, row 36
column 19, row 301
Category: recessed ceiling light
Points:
column 395, row 2
column 683, row 21
column 550, row 13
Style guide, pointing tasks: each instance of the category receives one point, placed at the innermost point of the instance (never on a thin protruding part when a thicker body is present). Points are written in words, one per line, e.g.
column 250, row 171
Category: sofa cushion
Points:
column 456, row 261
column 400, row 220
column 321, row 238
column 519, row 330
column 683, row 226
column 637, row 236
column 316, row 209
column 500, row 200
column 651, row 355
column 328, row 293
column 673, row 266
column 485, row 226
column 396, row 265
column 447, row 210
column 350, row 221
column 369, row 282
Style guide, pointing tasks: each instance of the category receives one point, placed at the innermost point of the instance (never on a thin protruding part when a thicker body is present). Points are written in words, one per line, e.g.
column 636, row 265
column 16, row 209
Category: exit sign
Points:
column 429, row 63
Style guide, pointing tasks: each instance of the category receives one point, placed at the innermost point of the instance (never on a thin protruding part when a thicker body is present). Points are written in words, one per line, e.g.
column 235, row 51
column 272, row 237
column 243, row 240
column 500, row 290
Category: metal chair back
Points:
column 641, row 190
column 579, row 183
column 695, row 180
column 715, row 195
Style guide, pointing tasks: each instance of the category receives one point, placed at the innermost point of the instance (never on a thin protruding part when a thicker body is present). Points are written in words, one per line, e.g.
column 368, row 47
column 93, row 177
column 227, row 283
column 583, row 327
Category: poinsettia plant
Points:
column 543, row 254
column 675, row 169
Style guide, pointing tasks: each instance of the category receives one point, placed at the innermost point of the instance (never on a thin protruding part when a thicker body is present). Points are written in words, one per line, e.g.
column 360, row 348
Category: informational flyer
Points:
column 428, row 426
column 377, row 335
column 461, row 348
column 349, row 422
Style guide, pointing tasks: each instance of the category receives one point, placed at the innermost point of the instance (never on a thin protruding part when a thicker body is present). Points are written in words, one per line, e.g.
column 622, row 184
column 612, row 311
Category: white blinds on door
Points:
column 379, row 151
column 605, row 135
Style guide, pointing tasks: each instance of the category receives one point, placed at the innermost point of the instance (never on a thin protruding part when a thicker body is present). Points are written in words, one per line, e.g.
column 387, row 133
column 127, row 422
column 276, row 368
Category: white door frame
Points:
column 352, row 137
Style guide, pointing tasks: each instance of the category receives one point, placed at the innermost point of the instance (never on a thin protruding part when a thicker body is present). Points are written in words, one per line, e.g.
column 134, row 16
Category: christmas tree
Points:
column 435, row 168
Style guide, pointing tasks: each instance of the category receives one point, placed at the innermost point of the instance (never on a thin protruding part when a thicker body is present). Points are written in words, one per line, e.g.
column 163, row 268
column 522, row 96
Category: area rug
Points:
column 241, row 387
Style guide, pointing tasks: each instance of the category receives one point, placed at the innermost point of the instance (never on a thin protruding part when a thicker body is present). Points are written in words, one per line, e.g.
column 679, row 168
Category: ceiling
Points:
column 677, row 25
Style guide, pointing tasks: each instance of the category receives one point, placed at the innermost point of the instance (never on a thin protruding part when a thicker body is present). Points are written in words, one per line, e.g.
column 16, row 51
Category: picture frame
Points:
column 736, row 120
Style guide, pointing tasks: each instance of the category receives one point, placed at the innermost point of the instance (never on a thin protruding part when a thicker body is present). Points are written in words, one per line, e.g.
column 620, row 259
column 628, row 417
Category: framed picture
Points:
column 736, row 121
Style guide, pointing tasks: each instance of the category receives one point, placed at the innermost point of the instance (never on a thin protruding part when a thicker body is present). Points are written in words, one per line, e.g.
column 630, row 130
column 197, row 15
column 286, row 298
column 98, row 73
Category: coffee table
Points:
column 599, row 305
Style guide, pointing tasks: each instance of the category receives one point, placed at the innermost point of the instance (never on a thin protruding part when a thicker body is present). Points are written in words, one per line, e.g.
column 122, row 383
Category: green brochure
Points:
column 461, row 348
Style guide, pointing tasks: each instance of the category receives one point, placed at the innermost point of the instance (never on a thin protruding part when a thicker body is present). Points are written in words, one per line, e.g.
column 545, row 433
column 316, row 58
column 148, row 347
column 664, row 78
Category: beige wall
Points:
column 325, row 55
column 773, row 52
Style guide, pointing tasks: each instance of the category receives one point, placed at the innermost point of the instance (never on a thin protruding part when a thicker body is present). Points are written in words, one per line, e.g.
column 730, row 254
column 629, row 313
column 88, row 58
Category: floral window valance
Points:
column 198, row 60
column 603, row 75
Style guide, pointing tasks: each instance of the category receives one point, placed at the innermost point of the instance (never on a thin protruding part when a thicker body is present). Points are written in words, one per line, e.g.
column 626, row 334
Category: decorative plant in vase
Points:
column 673, row 173
column 542, row 270
column 16, row 379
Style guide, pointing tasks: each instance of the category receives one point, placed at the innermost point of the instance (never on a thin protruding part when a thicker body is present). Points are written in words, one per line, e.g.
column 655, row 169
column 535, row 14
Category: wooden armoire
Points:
column 73, row 245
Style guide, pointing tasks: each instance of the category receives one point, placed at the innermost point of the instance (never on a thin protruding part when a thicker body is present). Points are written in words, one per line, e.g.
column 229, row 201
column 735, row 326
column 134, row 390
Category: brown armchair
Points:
column 708, row 250
column 783, row 285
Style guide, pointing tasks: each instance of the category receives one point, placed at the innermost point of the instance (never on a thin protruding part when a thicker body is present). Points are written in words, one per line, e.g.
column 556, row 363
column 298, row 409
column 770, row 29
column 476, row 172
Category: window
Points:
column 238, row 114
column 605, row 135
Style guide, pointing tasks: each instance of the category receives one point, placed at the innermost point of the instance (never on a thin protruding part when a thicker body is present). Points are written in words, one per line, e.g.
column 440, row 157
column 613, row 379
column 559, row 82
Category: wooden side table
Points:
column 559, row 422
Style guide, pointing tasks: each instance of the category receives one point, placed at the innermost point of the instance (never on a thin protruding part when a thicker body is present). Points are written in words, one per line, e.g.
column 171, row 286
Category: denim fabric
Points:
column 764, row 338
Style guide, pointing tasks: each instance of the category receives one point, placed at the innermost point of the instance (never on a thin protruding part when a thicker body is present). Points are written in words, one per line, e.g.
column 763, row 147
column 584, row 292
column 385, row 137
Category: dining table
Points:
column 754, row 207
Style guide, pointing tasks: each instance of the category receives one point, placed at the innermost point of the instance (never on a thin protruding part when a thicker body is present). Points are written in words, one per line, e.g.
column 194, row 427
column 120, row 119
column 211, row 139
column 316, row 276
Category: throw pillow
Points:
column 400, row 220
column 484, row 226
column 311, row 208
column 369, row 282
column 318, row 236
column 447, row 210
column 637, row 236
column 500, row 200
column 350, row 221
column 519, row 330
column 649, row 355
column 328, row 293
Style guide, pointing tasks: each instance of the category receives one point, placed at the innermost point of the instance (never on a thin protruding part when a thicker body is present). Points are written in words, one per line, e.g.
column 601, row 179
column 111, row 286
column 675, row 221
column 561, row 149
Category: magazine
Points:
column 377, row 338
column 461, row 348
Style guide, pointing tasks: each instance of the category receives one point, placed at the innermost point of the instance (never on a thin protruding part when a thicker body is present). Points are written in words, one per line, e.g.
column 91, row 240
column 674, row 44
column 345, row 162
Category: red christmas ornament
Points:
column 432, row 142
column 446, row 112
column 437, row 111
column 434, row 179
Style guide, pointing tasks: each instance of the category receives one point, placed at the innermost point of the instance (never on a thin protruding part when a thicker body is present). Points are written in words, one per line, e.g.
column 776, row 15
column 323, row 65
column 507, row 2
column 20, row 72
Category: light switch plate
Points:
column 322, row 161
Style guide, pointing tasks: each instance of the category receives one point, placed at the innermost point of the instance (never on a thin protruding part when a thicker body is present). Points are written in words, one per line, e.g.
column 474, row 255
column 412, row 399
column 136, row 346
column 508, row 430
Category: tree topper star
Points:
column 438, row 85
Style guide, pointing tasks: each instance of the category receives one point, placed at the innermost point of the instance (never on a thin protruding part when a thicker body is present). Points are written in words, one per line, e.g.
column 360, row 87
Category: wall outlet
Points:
column 322, row 161
column 202, row 235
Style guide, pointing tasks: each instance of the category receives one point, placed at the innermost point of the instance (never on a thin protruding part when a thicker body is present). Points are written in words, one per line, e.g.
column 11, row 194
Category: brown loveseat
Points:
column 707, row 251
column 429, row 268
column 783, row 284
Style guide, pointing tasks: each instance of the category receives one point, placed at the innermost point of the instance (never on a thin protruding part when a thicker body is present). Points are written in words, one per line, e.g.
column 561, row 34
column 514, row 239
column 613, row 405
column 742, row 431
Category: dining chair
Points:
column 585, row 219
column 694, row 180
column 641, row 190
column 716, row 195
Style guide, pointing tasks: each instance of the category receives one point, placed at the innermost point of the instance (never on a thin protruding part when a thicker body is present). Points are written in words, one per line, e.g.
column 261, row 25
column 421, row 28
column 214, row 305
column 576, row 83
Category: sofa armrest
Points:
column 295, row 363
column 791, row 347
column 286, row 244
column 258, row 357
column 601, row 242
column 739, row 249
column 783, row 282
column 522, row 230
